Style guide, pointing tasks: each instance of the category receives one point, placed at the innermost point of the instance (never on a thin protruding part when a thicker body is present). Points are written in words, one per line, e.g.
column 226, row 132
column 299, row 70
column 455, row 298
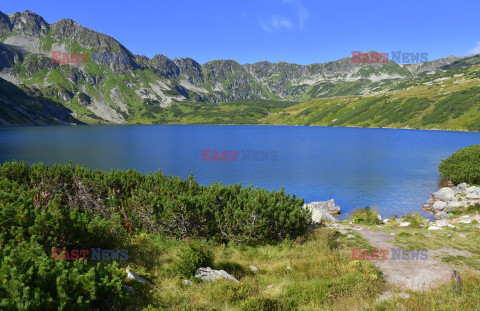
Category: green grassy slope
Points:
column 449, row 100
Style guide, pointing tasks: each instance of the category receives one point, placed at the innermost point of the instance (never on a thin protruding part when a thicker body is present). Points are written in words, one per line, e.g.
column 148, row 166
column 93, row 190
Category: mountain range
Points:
column 113, row 85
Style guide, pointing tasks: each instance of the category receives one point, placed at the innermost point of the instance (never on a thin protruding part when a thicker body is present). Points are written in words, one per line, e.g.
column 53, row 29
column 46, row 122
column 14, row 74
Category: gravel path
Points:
column 409, row 274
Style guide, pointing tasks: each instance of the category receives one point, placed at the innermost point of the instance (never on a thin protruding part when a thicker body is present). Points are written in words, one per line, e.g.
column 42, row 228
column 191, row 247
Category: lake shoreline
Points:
column 268, row 125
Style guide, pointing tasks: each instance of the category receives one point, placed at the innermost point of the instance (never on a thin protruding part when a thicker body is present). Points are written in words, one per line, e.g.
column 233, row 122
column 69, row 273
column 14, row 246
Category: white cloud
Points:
column 280, row 21
column 277, row 21
column 476, row 49
column 302, row 16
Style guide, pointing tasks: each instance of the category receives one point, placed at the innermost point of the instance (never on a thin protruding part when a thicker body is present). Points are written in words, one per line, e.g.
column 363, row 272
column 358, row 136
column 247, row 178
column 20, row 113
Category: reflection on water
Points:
column 394, row 169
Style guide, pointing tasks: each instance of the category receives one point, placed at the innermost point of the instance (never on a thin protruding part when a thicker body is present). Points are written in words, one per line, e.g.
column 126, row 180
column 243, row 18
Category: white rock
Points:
column 473, row 196
column 473, row 189
column 208, row 274
column 463, row 186
column 404, row 224
column 329, row 206
column 253, row 268
column 441, row 215
column 439, row 206
column 445, row 194
column 133, row 276
column 454, row 204
column 434, row 228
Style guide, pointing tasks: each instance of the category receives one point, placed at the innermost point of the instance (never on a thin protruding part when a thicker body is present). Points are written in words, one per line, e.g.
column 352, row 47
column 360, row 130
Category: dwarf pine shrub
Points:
column 463, row 166
column 72, row 207
column 193, row 256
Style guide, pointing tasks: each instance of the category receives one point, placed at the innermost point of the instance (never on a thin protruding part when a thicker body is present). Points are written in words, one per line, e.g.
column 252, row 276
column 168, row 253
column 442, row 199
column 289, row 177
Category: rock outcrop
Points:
column 322, row 210
column 449, row 198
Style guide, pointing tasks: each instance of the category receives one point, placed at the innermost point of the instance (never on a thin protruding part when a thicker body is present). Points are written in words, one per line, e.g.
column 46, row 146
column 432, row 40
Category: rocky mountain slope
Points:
column 19, row 108
column 448, row 99
column 109, row 84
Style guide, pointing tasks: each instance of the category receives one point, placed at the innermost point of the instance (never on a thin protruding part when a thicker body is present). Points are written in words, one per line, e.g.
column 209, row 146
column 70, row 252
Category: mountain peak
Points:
column 5, row 25
column 29, row 23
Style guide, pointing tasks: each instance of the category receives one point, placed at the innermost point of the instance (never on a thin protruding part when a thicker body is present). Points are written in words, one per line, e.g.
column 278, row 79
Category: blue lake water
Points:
column 393, row 169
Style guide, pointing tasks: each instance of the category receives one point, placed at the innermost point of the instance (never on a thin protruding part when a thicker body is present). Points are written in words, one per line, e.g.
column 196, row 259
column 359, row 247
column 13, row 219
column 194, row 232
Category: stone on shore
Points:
column 444, row 194
column 441, row 215
column 329, row 206
column 320, row 212
column 473, row 193
column 439, row 206
column 448, row 199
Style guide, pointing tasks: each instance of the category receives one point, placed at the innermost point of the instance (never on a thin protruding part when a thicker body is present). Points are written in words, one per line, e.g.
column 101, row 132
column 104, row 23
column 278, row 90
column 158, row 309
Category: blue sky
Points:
column 297, row 31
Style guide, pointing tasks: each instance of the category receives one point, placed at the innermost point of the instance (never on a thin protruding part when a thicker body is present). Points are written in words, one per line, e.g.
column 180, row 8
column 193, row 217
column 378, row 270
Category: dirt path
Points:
column 409, row 274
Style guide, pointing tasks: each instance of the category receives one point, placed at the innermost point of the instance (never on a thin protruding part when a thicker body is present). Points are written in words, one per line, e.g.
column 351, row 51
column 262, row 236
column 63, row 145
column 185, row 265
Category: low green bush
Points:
column 31, row 280
column 193, row 256
column 69, row 207
column 415, row 219
column 367, row 216
column 128, row 201
column 463, row 166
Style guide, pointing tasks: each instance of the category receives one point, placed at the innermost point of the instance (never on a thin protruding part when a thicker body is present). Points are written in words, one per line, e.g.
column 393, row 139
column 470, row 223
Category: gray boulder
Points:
column 329, row 206
column 445, row 194
column 473, row 189
column 427, row 207
column 208, row 274
column 452, row 205
column 473, row 193
column 441, row 215
column 133, row 276
column 439, row 206
column 463, row 186
column 319, row 213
